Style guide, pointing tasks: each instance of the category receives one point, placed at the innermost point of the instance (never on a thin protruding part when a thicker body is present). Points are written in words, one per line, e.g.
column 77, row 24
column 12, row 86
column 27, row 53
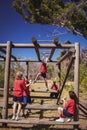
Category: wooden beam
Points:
column 76, row 75
column 2, row 57
column 67, row 72
column 28, row 60
column 3, row 45
column 59, row 75
column 4, row 51
column 38, row 122
column 56, row 41
column 51, row 53
column 34, row 41
column 64, row 56
column 30, row 45
column 6, row 80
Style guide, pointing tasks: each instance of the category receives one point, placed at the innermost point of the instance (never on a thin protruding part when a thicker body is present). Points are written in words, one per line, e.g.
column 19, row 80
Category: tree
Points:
column 71, row 14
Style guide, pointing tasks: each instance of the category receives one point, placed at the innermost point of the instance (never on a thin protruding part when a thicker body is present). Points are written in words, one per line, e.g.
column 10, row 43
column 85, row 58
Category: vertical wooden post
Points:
column 27, row 63
column 76, row 77
column 6, row 80
column 59, row 74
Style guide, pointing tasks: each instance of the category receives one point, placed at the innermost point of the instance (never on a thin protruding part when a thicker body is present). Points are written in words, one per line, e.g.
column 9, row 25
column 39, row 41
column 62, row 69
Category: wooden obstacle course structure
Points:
column 7, row 49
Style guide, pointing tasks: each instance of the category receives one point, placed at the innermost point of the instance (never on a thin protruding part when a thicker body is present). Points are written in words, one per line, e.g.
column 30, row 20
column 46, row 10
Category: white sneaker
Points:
column 47, row 89
column 69, row 119
column 13, row 117
column 17, row 118
column 61, row 120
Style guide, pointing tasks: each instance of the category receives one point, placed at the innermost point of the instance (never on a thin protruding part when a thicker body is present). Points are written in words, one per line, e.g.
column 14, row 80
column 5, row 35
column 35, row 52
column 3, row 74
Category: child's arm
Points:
column 64, row 102
column 27, row 85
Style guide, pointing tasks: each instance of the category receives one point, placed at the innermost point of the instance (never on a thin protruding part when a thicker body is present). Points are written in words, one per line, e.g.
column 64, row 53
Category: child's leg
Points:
column 14, row 108
column 46, row 84
column 25, row 103
column 37, row 76
column 19, row 108
column 60, row 111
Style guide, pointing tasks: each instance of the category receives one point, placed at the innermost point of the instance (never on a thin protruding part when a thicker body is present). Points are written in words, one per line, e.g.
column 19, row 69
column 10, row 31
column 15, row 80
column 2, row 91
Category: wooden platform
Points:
column 38, row 122
column 43, row 91
column 36, row 107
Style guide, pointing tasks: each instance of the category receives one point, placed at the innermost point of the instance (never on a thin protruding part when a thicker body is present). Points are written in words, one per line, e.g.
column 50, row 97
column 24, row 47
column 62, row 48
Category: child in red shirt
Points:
column 69, row 107
column 19, row 86
column 26, row 95
column 43, row 71
column 54, row 87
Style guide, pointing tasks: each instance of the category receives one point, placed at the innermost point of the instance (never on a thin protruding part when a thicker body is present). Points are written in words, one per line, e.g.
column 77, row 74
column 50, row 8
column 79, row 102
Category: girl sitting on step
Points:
column 68, row 109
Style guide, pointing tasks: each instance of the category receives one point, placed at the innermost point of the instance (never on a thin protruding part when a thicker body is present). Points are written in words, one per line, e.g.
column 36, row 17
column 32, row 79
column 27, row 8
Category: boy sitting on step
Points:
column 54, row 89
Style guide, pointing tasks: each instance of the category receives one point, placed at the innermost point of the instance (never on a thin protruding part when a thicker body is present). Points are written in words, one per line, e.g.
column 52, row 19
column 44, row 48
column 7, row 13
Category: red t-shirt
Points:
column 19, row 86
column 54, row 87
column 26, row 91
column 43, row 68
column 70, row 106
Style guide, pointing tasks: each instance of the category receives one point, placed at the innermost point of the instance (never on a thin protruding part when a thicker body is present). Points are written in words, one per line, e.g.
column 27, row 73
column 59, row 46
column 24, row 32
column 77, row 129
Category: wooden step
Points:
column 43, row 91
column 38, row 122
column 42, row 107
column 36, row 107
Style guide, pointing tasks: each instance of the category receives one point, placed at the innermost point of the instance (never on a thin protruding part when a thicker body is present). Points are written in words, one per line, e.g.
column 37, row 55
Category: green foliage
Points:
column 83, row 72
column 83, row 79
column 54, row 12
column 84, row 6
column 50, row 70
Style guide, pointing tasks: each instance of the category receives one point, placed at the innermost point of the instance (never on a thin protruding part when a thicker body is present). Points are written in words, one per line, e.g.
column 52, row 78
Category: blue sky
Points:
column 15, row 29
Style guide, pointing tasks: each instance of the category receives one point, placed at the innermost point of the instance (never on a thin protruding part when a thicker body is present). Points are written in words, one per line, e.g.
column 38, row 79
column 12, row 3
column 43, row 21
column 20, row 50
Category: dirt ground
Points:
column 46, row 114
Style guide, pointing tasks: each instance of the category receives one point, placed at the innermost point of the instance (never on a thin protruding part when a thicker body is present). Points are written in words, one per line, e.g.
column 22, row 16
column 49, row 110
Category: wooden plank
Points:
column 2, row 57
column 68, row 70
column 35, row 107
column 51, row 53
column 4, row 51
column 42, row 107
column 6, row 79
column 34, row 41
column 63, row 57
column 30, row 45
column 76, row 76
column 43, row 91
column 38, row 122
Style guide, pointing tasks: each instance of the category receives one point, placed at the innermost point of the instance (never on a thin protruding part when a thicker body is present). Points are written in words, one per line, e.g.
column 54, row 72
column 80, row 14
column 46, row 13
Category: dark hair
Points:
column 72, row 95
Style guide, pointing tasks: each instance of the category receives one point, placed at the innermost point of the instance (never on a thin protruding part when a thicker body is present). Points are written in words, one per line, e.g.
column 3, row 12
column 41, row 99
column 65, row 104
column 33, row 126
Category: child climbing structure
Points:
column 73, row 51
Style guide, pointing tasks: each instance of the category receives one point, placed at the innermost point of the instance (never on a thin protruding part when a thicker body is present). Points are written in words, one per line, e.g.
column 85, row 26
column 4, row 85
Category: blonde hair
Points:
column 19, row 75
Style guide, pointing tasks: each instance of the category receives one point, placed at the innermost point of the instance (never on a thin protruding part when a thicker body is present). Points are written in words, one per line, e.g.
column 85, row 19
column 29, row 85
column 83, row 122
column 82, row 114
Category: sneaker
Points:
column 69, row 119
column 17, row 118
column 13, row 117
column 61, row 120
column 47, row 89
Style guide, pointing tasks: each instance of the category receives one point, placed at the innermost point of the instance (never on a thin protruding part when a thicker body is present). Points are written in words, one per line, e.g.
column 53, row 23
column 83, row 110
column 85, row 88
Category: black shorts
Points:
column 43, row 75
column 66, row 113
column 17, row 99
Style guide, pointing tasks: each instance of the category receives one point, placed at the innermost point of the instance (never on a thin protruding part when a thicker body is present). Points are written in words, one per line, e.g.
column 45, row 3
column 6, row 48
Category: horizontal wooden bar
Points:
column 38, row 122
column 35, row 107
column 43, row 91
column 3, row 45
column 27, row 60
column 30, row 45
